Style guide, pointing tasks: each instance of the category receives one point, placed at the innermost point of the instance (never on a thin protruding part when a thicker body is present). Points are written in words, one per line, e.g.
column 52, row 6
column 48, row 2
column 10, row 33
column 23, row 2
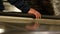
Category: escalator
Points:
column 14, row 23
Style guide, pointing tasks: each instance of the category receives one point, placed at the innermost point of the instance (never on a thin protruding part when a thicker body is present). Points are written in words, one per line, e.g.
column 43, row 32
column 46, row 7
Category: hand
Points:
column 34, row 12
column 36, row 25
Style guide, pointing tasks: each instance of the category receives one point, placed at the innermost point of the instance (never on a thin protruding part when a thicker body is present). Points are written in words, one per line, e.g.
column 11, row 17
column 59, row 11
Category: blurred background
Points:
column 48, row 7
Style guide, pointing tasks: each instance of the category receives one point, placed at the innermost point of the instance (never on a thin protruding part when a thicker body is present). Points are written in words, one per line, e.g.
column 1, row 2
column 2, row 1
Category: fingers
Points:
column 38, row 15
column 34, row 12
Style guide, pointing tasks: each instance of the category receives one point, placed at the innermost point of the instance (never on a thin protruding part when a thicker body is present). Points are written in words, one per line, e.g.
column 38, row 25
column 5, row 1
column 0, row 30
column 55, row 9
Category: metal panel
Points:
column 10, row 19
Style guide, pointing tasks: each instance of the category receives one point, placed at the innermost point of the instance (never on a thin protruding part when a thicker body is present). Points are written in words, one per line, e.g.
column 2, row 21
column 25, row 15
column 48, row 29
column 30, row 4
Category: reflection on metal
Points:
column 34, row 33
column 10, row 19
column 2, row 30
column 13, row 24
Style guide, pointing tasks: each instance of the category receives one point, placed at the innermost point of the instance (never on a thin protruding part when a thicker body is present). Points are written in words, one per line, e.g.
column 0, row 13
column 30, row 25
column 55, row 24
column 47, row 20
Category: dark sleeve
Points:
column 20, row 4
column 1, row 5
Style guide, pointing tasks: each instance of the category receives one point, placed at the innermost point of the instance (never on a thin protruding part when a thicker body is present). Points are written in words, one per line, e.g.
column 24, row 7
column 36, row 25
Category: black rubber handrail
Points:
column 18, row 14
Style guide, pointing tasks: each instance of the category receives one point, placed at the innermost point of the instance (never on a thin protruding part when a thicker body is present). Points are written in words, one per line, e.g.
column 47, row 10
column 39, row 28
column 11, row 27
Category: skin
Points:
column 38, row 16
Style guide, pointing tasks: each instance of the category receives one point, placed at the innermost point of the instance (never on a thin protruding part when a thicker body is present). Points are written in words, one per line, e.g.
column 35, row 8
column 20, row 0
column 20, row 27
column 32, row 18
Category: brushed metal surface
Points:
column 10, row 19
column 34, row 33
